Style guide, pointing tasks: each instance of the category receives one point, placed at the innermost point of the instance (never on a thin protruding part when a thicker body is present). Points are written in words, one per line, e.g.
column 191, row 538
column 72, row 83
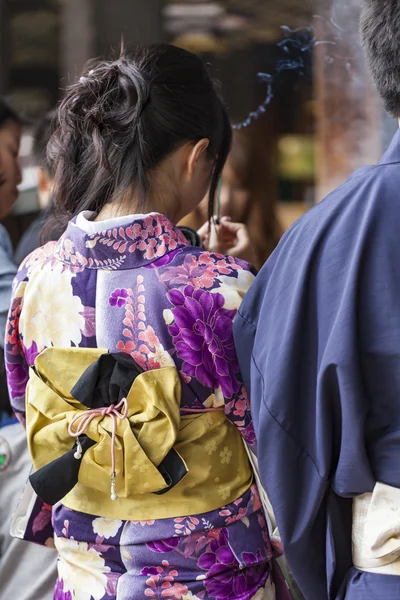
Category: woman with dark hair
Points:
column 135, row 409
column 19, row 562
column 246, row 196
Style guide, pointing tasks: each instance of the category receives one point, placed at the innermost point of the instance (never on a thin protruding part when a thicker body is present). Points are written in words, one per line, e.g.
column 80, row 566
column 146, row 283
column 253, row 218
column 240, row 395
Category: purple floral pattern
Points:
column 200, row 271
column 203, row 338
column 118, row 297
column 167, row 545
column 148, row 238
column 226, row 578
column 164, row 303
column 164, row 260
column 59, row 593
column 17, row 379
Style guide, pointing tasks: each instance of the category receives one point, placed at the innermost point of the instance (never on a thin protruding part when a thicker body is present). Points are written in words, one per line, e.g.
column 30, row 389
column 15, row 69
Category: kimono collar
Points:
column 122, row 243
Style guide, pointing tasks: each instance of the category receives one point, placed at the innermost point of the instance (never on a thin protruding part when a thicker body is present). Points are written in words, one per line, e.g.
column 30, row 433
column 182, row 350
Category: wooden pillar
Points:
column 348, row 112
column 77, row 37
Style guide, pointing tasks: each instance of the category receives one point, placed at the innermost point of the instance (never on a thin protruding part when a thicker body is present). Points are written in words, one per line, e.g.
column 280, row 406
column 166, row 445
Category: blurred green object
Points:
column 296, row 157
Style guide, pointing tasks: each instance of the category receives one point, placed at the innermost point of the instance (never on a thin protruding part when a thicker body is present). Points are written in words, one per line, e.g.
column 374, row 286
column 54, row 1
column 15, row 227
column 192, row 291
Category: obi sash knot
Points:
column 110, row 436
column 95, row 418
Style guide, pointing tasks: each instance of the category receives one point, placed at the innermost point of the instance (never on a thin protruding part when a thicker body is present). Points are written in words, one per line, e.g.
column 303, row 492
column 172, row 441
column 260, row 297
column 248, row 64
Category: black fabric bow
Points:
column 107, row 380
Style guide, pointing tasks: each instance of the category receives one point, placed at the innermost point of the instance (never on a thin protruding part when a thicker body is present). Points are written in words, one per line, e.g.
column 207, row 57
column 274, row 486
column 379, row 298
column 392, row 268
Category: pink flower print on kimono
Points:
column 161, row 582
column 199, row 271
column 141, row 341
column 203, row 339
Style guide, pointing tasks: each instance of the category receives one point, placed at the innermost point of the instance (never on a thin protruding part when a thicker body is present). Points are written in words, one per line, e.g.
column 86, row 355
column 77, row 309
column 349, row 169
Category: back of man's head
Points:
column 380, row 33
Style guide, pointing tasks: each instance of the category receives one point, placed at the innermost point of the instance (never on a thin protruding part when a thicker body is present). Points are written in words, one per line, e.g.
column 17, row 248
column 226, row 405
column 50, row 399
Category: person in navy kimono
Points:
column 318, row 338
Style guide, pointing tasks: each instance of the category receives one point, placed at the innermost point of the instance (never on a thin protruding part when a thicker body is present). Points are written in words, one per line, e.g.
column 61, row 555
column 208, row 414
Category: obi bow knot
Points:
column 115, row 411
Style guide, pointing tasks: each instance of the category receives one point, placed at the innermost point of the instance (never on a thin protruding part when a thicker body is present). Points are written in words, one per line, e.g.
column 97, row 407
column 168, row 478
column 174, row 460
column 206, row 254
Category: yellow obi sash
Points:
column 207, row 444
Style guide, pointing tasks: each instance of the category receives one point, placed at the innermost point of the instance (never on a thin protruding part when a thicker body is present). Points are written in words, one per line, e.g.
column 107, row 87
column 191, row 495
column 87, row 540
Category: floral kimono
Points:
column 120, row 357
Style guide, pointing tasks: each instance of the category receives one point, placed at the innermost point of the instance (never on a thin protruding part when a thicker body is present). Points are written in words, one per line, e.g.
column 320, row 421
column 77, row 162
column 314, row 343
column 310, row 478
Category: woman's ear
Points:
column 197, row 151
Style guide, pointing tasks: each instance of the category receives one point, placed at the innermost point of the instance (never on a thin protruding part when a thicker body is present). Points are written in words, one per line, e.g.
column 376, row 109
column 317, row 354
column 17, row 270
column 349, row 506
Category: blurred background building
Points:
column 322, row 122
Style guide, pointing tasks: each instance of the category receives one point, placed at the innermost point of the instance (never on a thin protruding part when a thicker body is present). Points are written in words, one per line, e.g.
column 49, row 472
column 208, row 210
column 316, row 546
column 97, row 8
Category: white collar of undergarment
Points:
column 86, row 223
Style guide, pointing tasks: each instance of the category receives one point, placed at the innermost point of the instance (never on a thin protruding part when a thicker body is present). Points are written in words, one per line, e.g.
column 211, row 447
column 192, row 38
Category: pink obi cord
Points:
column 83, row 421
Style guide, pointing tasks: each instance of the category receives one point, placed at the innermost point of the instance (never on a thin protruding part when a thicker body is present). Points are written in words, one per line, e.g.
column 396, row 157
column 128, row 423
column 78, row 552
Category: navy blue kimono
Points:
column 318, row 339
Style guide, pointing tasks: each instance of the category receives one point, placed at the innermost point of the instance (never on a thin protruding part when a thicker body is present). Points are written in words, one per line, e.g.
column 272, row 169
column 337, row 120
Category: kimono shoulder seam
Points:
column 296, row 442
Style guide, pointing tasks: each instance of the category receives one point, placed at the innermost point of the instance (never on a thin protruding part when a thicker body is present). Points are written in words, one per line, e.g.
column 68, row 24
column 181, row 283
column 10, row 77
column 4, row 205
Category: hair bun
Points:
column 110, row 94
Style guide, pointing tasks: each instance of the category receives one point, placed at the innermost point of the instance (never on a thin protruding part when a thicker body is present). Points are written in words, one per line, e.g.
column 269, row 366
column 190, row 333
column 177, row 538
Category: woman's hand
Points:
column 228, row 238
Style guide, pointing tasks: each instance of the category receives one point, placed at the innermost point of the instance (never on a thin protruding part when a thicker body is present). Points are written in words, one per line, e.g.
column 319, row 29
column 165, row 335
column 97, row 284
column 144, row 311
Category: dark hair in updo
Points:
column 123, row 117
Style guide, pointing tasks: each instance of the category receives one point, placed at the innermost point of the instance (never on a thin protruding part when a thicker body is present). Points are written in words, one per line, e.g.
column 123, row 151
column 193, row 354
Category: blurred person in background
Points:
column 135, row 410
column 27, row 572
column 31, row 238
column 245, row 196
column 10, row 178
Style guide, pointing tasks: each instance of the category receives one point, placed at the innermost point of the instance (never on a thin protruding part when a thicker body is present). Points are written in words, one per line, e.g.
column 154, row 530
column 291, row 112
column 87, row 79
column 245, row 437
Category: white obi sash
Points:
column 376, row 531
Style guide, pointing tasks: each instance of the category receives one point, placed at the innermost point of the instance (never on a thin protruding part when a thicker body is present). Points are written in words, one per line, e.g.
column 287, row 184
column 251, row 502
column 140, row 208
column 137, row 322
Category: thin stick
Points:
column 218, row 208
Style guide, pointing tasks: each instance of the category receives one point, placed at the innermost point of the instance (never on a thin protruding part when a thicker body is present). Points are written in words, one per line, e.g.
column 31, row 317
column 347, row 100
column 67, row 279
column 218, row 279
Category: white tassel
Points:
column 114, row 495
column 78, row 453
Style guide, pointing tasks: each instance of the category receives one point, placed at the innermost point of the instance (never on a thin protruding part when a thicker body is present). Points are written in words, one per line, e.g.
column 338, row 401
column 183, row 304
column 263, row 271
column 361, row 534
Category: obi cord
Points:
column 83, row 421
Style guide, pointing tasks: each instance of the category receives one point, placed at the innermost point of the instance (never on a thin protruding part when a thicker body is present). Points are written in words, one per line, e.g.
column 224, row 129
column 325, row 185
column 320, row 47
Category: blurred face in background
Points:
column 235, row 198
column 10, row 171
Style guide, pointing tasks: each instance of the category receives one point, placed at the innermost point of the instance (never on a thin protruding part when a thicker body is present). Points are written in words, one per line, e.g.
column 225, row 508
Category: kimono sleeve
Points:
column 31, row 520
column 16, row 365
column 231, row 291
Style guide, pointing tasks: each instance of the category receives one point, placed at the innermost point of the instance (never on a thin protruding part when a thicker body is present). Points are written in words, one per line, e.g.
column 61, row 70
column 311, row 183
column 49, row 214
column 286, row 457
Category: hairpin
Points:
column 218, row 208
